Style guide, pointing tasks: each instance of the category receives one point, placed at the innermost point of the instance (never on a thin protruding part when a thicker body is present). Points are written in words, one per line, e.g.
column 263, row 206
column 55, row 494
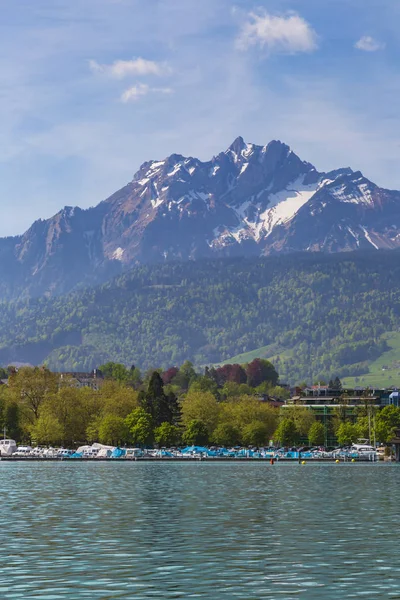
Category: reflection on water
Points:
column 199, row 530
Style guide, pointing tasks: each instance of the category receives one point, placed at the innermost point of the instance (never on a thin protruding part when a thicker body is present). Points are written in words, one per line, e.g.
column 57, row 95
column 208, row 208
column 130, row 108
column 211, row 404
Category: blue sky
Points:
column 90, row 89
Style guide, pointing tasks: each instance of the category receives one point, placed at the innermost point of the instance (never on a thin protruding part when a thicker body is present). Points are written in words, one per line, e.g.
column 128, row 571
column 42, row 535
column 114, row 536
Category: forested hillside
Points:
column 315, row 315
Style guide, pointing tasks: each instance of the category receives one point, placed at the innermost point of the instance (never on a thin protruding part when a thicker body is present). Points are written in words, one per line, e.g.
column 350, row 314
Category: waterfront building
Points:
column 328, row 403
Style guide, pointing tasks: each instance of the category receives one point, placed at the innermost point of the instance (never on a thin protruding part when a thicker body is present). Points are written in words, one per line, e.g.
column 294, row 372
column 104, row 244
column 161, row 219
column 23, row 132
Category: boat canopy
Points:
column 195, row 449
column 118, row 453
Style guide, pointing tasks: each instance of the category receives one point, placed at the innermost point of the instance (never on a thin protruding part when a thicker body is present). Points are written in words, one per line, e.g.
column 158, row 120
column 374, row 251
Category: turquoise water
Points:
column 199, row 530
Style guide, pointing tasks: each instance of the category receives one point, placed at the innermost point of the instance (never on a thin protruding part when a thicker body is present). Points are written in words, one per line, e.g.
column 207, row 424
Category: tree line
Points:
column 226, row 406
column 169, row 407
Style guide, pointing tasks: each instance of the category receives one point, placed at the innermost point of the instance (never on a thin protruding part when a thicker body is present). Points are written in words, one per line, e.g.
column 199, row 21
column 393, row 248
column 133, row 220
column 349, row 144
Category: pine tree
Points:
column 161, row 408
column 175, row 413
column 337, row 384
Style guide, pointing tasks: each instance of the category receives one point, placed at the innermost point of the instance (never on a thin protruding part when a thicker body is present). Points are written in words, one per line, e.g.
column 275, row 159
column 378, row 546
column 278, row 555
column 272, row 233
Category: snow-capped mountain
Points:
column 248, row 200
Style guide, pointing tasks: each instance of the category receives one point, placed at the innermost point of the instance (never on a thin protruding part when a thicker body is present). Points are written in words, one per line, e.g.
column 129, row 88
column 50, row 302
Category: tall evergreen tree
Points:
column 161, row 408
column 175, row 412
column 337, row 384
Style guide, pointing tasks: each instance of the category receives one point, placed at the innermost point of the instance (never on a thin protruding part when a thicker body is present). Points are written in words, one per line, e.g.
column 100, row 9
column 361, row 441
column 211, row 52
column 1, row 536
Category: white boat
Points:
column 37, row 452
column 133, row 453
column 94, row 450
column 50, row 453
column 83, row 449
column 65, row 453
column 7, row 447
column 90, row 453
column 105, row 452
column 23, row 451
column 365, row 451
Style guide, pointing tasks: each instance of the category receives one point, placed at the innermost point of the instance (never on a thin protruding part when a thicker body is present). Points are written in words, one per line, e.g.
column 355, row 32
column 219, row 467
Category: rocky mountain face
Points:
column 248, row 200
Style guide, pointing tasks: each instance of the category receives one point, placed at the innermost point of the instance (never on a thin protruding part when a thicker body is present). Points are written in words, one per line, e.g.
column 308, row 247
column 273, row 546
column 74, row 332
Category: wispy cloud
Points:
column 369, row 44
column 125, row 68
column 142, row 89
column 286, row 34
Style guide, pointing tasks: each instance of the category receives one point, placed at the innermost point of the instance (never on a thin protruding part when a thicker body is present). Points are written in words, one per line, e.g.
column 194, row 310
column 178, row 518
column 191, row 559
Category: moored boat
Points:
column 8, row 447
column 365, row 451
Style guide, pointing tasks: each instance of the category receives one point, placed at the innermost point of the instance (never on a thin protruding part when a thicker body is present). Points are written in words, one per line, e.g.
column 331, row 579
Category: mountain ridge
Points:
column 249, row 200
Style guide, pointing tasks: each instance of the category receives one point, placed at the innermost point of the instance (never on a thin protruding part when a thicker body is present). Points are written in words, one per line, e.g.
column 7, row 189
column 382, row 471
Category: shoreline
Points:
column 190, row 459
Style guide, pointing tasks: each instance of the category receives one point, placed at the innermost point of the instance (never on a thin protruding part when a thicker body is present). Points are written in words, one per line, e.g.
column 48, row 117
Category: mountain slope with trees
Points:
column 319, row 315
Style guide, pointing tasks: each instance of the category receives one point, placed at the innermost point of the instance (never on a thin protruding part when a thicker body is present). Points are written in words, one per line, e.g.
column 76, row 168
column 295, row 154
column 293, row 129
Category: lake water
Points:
column 199, row 530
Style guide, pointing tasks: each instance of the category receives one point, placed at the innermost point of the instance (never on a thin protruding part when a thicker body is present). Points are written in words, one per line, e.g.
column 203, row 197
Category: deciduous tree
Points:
column 201, row 406
column 316, row 434
column 47, row 430
column 286, row 433
column 30, row 386
column 226, row 434
column 140, row 426
column 260, row 370
column 167, row 434
column 113, row 430
column 347, row 433
column 255, row 434
column 196, row 433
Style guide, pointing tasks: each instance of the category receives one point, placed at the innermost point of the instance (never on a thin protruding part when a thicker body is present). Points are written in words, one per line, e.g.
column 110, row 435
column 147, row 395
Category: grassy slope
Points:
column 390, row 376
column 263, row 352
column 271, row 353
column 376, row 377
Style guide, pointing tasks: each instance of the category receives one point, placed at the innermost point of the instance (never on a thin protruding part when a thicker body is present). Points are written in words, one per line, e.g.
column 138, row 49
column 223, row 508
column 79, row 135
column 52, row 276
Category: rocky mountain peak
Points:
column 237, row 147
column 247, row 200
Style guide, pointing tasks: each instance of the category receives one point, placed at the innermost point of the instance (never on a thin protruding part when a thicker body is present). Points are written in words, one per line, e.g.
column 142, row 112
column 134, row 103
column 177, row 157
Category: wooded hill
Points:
column 313, row 315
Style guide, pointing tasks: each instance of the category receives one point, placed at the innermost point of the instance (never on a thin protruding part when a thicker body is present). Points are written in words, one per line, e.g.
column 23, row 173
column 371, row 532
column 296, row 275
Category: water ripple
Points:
column 198, row 530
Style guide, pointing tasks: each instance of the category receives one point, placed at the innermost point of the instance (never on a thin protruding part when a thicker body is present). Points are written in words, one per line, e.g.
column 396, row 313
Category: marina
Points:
column 100, row 452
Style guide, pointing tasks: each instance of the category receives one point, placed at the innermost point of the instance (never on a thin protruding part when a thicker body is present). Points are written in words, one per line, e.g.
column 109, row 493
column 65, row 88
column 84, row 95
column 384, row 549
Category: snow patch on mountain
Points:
column 284, row 205
column 358, row 194
column 156, row 165
column 355, row 236
column 174, row 170
column 156, row 202
column 324, row 183
column 241, row 234
column 117, row 254
column 365, row 193
column 259, row 223
column 368, row 238
column 248, row 150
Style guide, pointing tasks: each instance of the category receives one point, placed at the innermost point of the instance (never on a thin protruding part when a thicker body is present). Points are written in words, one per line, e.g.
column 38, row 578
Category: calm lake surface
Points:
column 199, row 530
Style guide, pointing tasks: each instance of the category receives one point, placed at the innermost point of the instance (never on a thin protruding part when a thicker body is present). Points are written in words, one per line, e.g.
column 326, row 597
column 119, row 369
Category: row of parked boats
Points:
column 10, row 448
column 100, row 451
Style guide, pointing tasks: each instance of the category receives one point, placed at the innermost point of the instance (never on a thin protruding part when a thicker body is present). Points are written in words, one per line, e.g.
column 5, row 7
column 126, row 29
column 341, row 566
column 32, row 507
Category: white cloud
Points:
column 288, row 34
column 141, row 89
column 135, row 92
column 369, row 44
column 125, row 68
